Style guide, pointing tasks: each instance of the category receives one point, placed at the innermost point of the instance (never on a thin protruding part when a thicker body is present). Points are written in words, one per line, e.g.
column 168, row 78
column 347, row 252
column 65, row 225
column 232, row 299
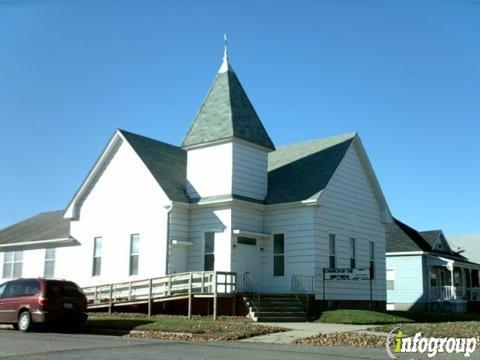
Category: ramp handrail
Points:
column 199, row 282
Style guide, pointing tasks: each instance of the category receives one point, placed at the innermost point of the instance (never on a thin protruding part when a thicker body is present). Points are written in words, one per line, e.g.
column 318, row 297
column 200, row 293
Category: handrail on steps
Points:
column 300, row 291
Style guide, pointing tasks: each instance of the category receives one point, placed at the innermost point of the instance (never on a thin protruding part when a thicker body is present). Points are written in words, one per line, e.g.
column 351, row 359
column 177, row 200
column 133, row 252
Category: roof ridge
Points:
column 148, row 138
column 344, row 136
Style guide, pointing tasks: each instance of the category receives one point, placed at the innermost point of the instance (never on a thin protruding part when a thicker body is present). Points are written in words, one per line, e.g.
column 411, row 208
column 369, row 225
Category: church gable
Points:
column 119, row 174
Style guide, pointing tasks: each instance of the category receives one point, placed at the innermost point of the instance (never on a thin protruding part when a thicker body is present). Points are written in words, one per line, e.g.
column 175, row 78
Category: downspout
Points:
column 167, row 242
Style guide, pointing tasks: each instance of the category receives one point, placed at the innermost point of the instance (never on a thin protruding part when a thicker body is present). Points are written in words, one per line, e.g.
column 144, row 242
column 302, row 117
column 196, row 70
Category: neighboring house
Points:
column 423, row 272
column 225, row 200
column 467, row 245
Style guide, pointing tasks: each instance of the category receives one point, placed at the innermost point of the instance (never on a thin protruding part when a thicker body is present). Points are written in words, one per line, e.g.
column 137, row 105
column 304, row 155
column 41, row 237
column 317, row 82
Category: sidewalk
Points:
column 303, row 330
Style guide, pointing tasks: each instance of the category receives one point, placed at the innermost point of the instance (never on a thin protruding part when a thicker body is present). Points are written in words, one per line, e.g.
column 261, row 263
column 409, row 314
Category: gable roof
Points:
column 298, row 171
column 167, row 163
column 431, row 236
column 227, row 113
column 44, row 226
column 403, row 238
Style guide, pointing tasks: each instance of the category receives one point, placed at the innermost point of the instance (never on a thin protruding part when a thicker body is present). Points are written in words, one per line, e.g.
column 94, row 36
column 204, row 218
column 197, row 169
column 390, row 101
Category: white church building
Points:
column 225, row 200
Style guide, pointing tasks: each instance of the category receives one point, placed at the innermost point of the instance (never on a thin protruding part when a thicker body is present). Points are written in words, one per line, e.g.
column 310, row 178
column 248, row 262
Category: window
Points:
column 2, row 289
column 278, row 255
column 12, row 264
column 209, row 251
column 246, row 240
column 134, row 253
column 49, row 266
column 331, row 244
column 97, row 256
column 372, row 260
column 353, row 253
column 391, row 279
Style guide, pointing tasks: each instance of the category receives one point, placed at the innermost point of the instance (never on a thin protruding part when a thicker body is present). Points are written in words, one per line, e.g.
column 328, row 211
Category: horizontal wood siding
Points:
column 408, row 279
column 210, row 219
column 349, row 208
column 249, row 171
column 179, row 224
column 297, row 225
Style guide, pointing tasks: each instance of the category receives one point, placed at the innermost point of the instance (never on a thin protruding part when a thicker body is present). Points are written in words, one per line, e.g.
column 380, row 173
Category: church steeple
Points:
column 227, row 113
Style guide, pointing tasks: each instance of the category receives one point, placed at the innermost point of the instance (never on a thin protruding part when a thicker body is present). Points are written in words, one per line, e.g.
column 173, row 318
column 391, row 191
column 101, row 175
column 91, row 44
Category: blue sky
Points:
column 404, row 74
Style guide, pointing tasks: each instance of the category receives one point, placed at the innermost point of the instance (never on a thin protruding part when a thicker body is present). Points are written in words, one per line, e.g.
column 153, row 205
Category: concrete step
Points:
column 263, row 314
column 282, row 319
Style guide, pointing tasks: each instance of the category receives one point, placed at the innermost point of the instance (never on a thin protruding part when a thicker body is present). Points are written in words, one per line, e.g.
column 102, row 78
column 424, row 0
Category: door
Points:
column 248, row 259
column 9, row 301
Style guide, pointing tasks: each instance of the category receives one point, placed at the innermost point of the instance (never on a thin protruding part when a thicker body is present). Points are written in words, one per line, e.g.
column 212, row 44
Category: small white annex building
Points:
column 225, row 200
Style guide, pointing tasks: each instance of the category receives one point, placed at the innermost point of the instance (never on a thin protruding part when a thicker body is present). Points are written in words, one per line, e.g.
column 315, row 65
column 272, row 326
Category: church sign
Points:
column 346, row 274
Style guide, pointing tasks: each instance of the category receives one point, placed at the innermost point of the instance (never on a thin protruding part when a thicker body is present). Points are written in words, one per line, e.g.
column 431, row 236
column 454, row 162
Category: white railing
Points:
column 442, row 293
column 191, row 283
column 306, row 283
column 448, row 293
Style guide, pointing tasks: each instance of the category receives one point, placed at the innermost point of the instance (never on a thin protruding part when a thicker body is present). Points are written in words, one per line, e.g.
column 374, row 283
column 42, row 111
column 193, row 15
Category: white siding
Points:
column 125, row 200
column 210, row 219
column 179, row 224
column 349, row 208
column 298, row 226
column 249, row 171
column 34, row 262
column 209, row 171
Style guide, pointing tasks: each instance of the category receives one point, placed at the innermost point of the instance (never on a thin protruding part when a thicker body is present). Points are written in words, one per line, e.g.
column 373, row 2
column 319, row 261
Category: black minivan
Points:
column 25, row 302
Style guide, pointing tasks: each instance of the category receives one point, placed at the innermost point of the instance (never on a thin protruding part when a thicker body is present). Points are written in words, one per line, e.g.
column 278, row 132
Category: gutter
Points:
column 167, row 242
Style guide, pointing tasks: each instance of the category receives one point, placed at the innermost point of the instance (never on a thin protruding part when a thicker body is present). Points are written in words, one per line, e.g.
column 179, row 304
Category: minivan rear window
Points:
column 63, row 289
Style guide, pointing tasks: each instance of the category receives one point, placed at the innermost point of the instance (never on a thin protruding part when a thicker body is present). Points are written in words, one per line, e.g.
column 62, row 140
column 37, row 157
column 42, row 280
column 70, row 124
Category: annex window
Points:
column 49, row 264
column 12, row 264
column 391, row 279
column 332, row 251
column 353, row 253
column 209, row 251
column 134, row 253
column 97, row 256
column 278, row 255
column 246, row 240
column 372, row 260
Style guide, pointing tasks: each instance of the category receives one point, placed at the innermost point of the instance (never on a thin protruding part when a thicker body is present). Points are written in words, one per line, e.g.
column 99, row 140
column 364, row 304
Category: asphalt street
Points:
column 17, row 345
column 53, row 346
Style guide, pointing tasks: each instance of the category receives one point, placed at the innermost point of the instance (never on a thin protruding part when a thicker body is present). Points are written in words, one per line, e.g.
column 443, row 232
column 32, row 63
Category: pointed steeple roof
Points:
column 227, row 113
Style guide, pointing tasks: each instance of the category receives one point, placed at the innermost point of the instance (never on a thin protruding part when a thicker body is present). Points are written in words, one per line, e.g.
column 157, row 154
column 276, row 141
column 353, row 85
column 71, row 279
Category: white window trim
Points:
column 330, row 234
column 394, row 278
column 353, row 251
column 204, row 232
column 45, row 260
column 13, row 262
column 93, row 257
column 130, row 254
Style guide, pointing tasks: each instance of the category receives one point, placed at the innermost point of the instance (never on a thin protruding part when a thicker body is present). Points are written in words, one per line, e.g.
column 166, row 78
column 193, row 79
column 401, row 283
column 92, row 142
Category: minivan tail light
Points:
column 42, row 301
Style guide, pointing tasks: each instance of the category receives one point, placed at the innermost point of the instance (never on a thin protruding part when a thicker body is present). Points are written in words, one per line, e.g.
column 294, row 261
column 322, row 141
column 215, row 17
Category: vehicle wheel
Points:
column 24, row 321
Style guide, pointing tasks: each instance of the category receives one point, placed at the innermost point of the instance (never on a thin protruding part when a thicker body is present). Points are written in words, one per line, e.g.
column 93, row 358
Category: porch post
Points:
column 452, row 286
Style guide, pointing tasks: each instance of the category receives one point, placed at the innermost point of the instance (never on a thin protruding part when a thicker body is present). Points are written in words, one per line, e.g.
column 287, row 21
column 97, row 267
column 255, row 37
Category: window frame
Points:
column 332, row 251
column 49, row 260
column 278, row 255
column 12, row 274
column 389, row 280
column 132, row 255
column 210, row 253
column 97, row 268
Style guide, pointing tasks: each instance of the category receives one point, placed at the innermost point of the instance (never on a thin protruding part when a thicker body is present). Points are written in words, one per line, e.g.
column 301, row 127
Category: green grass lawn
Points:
column 225, row 328
column 462, row 329
column 367, row 317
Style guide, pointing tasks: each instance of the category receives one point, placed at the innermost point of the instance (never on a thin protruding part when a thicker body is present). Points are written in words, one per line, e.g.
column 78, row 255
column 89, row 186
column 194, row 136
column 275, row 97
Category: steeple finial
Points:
column 225, row 66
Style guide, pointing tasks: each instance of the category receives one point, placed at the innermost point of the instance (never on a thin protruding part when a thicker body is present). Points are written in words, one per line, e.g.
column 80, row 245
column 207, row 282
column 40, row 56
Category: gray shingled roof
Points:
column 430, row 236
column 298, row 171
column 403, row 238
column 227, row 113
column 45, row 226
column 167, row 163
